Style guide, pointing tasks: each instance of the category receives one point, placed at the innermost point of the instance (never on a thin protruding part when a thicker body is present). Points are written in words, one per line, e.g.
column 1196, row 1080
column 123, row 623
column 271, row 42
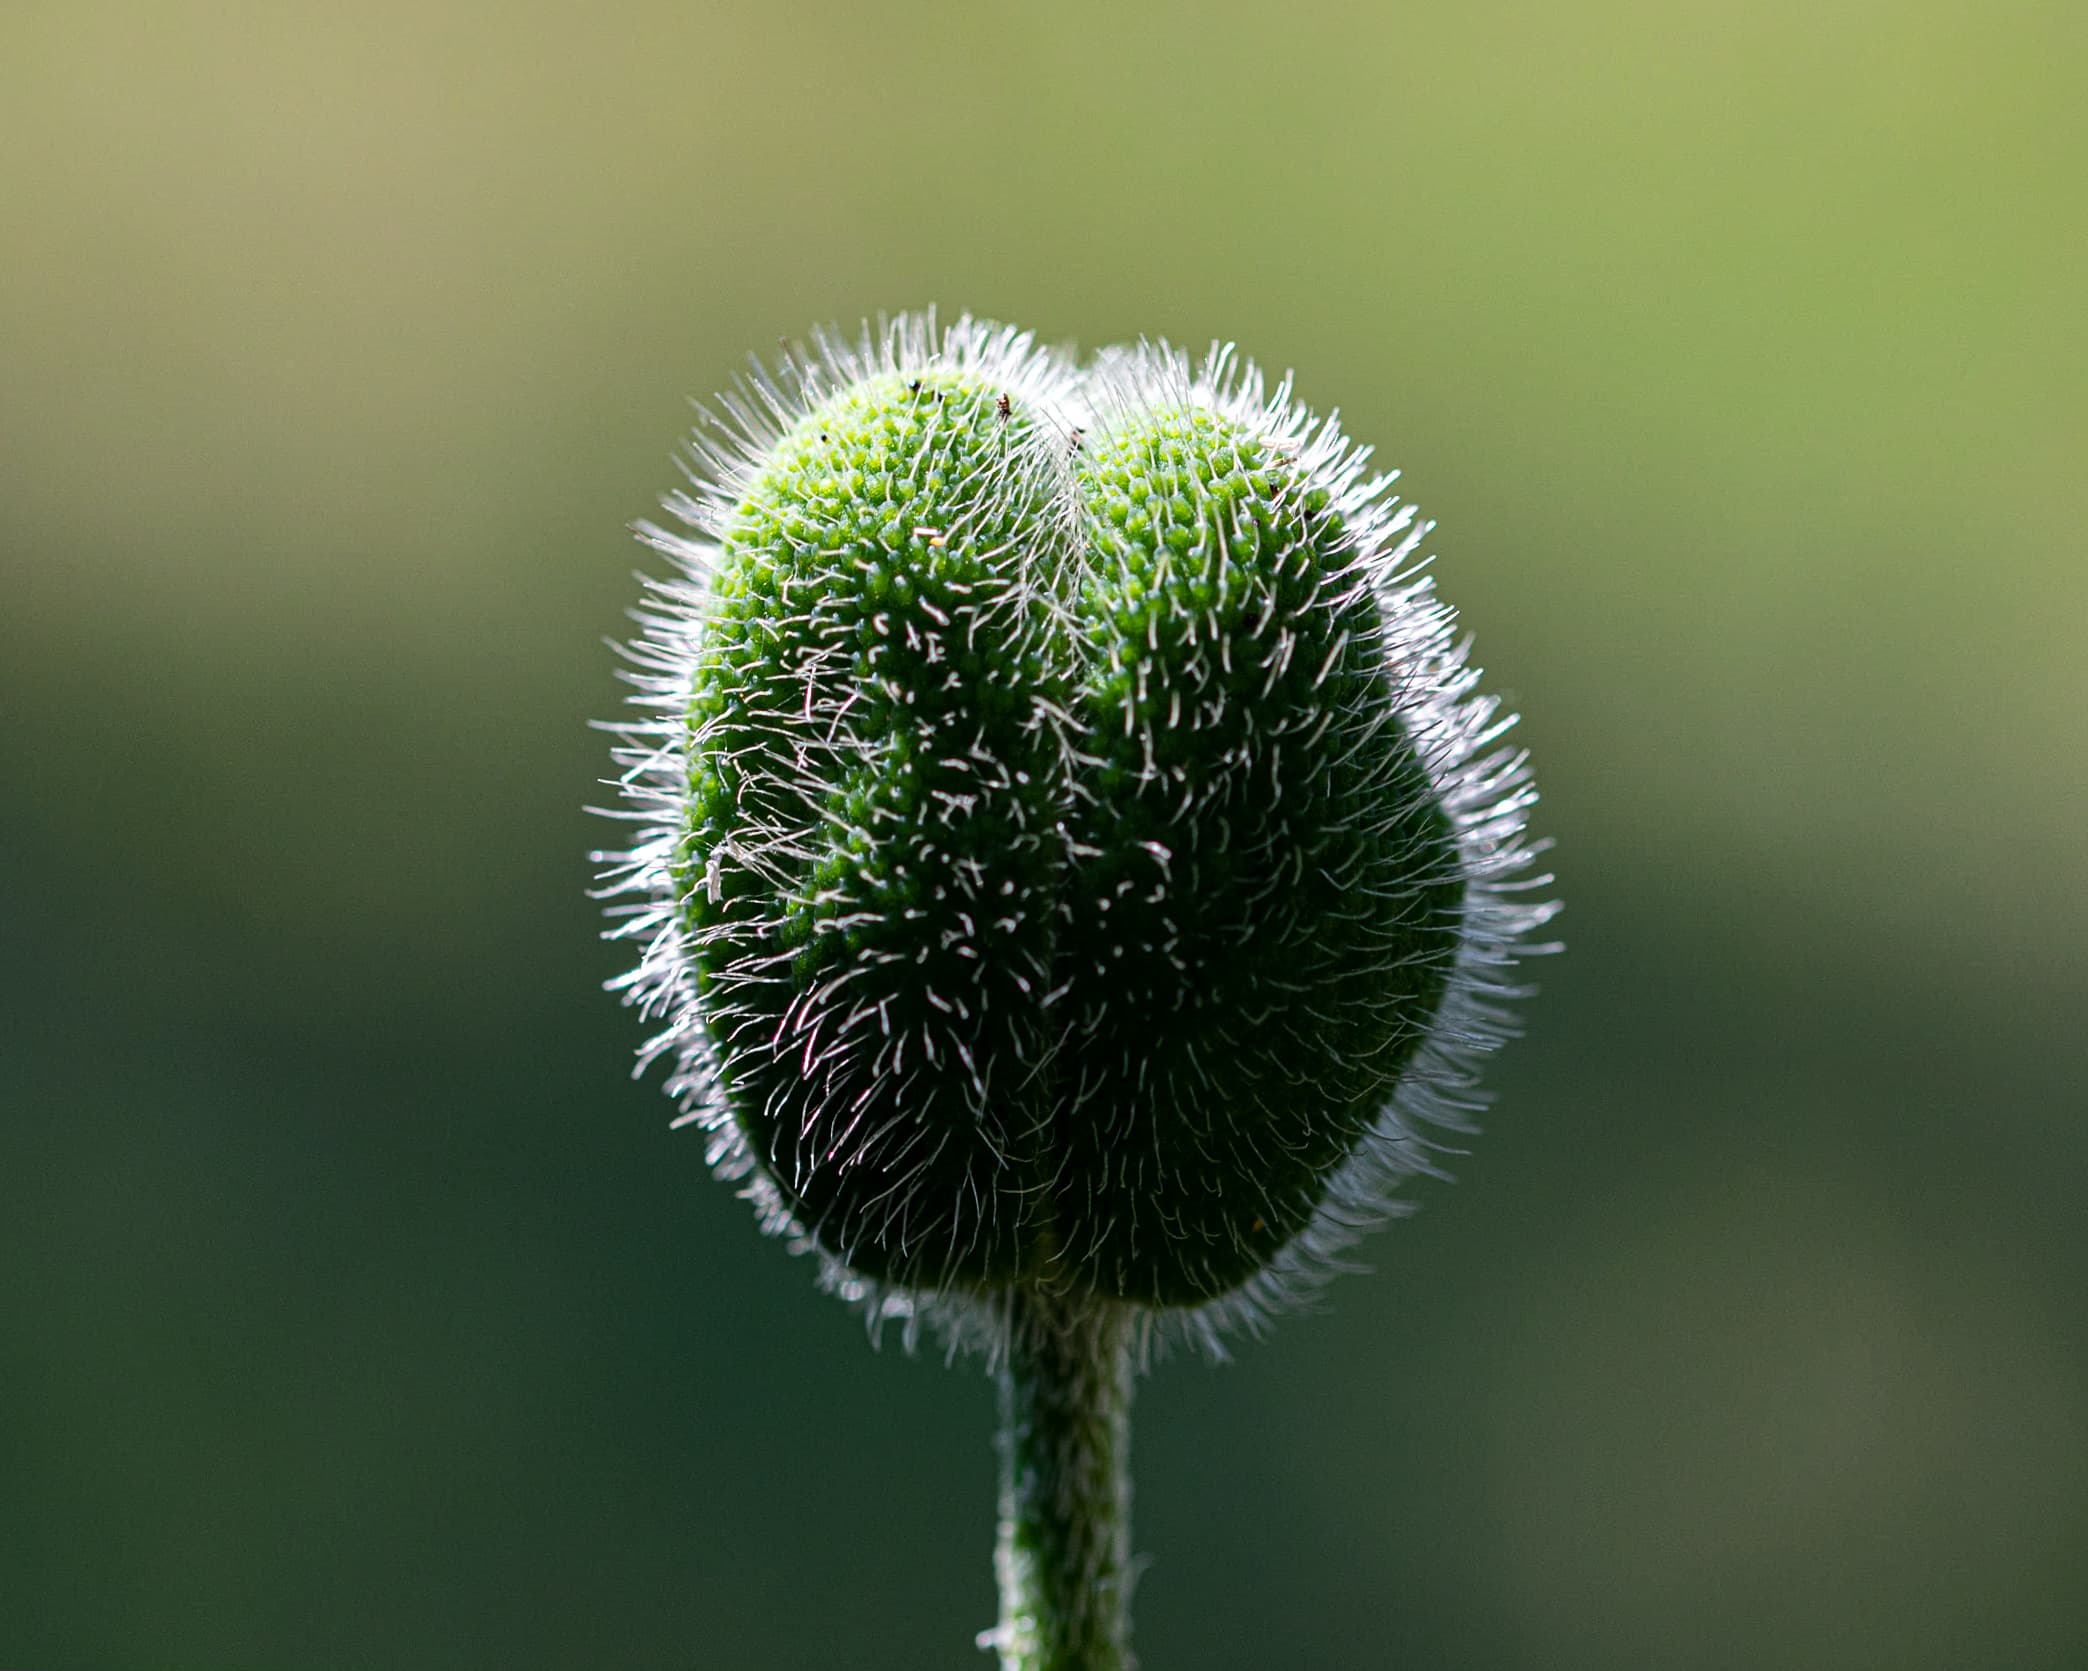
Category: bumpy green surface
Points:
column 1266, row 927
column 876, row 808
column 1066, row 894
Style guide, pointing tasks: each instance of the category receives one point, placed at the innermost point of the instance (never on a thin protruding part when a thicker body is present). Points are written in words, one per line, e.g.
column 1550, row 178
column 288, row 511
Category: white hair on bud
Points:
column 1481, row 784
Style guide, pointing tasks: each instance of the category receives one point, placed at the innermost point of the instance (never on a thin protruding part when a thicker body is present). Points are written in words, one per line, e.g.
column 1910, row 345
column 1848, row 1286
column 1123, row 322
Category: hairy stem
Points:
column 1065, row 1498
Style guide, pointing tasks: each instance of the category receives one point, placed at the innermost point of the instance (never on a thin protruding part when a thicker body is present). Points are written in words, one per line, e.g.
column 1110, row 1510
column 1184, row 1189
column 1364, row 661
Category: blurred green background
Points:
column 357, row 1311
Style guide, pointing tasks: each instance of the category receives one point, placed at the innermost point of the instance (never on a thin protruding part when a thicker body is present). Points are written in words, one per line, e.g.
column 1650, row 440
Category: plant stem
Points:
column 1064, row 1559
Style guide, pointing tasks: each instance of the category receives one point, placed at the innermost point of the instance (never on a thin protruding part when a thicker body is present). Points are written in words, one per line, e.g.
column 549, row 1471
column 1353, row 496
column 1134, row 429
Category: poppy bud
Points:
column 1072, row 854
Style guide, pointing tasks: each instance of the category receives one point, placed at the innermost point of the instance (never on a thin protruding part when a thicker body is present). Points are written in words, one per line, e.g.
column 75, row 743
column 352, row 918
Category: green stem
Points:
column 1065, row 1500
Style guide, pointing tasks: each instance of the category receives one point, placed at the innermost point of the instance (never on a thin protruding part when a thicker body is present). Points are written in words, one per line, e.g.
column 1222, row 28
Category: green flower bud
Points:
column 1073, row 855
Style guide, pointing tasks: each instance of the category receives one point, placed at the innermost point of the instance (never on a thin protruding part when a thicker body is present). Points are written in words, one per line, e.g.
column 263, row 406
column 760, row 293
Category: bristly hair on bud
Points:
column 1071, row 851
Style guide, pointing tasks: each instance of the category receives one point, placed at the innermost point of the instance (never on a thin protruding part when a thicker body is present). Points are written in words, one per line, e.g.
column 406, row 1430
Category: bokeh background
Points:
column 357, row 1310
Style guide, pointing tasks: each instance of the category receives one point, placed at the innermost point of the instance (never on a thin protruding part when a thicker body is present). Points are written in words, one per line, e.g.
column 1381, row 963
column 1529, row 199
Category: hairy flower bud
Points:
column 1073, row 854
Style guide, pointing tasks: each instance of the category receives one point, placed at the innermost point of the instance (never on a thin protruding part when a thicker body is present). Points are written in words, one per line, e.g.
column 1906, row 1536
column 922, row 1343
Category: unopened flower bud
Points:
column 1072, row 853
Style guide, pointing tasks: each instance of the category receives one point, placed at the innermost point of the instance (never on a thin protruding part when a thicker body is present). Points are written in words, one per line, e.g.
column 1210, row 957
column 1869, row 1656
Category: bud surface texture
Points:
column 1073, row 853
